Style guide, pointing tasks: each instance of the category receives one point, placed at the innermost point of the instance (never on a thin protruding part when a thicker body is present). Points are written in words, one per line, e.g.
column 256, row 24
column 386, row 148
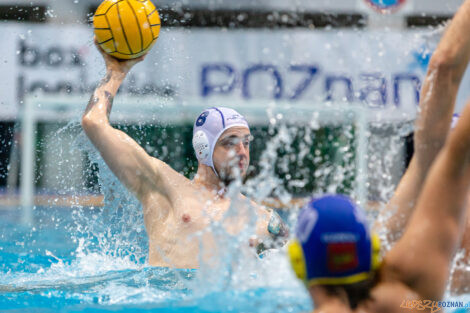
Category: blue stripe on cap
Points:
column 222, row 116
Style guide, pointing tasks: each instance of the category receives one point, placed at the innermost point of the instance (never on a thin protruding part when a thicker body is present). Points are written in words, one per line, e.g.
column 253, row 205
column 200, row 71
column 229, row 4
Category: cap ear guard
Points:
column 375, row 246
column 297, row 259
column 201, row 147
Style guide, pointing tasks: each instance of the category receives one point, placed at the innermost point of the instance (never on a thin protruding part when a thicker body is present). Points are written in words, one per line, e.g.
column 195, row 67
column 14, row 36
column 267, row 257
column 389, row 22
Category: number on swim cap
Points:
column 307, row 221
column 202, row 118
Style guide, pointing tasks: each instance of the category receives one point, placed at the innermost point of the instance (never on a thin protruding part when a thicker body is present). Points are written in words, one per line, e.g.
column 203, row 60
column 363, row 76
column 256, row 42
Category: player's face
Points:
column 232, row 153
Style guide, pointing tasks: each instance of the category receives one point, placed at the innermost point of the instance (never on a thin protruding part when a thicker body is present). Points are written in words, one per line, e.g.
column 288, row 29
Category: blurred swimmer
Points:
column 179, row 211
column 438, row 95
column 337, row 257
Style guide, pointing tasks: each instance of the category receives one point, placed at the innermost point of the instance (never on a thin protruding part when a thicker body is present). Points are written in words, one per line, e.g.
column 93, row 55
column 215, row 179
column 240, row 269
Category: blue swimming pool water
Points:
column 68, row 262
column 94, row 260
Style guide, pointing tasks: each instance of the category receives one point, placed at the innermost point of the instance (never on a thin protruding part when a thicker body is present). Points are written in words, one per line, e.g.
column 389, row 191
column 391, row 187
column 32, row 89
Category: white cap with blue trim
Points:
column 209, row 126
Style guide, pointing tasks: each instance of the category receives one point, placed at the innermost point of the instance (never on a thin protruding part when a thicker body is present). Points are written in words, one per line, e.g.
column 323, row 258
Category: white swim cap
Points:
column 208, row 127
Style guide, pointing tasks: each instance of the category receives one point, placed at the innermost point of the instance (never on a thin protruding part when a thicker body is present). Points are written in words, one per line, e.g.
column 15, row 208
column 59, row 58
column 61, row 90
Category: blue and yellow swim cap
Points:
column 333, row 245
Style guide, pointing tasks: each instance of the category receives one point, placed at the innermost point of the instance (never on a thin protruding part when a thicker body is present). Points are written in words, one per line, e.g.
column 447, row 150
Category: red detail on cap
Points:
column 342, row 257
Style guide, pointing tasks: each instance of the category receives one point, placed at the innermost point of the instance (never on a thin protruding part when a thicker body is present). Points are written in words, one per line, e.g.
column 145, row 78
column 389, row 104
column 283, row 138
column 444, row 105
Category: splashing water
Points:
column 104, row 264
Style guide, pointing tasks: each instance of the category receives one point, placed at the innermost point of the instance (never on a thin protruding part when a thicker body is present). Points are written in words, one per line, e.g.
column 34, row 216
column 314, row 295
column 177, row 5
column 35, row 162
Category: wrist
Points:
column 111, row 81
column 116, row 74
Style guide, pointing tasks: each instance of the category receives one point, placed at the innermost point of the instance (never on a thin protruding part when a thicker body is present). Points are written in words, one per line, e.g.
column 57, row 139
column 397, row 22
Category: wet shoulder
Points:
column 169, row 182
column 167, row 174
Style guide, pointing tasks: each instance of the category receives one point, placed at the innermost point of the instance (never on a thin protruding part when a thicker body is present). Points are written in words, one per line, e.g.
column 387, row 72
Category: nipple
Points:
column 186, row 218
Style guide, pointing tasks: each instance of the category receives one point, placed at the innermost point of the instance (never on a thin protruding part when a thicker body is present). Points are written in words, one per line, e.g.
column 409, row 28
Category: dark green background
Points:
column 172, row 144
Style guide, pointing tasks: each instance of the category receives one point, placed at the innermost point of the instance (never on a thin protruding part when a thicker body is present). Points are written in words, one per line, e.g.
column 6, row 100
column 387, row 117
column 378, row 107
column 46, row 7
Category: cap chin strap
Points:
column 215, row 172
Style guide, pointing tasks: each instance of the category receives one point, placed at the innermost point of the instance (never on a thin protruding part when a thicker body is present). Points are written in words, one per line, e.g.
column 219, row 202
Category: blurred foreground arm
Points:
column 437, row 101
column 128, row 161
column 421, row 259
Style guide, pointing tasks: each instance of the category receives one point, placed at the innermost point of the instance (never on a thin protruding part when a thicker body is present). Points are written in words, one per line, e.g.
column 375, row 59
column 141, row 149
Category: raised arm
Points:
column 126, row 159
column 422, row 257
column 437, row 101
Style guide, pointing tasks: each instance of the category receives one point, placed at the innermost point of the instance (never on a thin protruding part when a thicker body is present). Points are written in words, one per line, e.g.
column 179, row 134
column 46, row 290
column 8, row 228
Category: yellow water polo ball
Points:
column 126, row 29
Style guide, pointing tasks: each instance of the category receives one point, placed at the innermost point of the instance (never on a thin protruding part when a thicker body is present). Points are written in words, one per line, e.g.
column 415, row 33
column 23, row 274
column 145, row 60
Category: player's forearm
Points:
column 101, row 101
column 440, row 87
column 433, row 123
column 458, row 143
column 448, row 183
column 392, row 220
column 454, row 48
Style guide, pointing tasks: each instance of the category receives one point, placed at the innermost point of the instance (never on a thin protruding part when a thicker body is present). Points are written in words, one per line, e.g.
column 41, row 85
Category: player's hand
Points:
column 118, row 66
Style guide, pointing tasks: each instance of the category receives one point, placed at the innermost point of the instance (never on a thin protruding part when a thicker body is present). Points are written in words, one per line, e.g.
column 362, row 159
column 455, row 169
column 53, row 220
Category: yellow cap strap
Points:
column 297, row 259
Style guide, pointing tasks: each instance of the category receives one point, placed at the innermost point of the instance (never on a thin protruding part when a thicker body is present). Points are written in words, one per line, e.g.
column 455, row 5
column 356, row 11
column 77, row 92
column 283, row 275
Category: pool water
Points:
column 63, row 264
column 57, row 265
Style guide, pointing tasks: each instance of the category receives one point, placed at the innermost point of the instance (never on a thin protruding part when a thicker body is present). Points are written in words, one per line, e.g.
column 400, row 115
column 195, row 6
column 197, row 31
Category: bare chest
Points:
column 192, row 215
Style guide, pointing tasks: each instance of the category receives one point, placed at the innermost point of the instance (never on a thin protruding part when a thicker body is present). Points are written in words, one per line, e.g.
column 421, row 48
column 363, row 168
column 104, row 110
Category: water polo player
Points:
column 337, row 257
column 437, row 102
column 179, row 211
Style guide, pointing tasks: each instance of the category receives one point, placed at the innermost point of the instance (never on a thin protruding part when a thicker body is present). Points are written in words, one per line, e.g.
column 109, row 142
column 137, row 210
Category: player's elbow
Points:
column 87, row 122
column 90, row 123
column 443, row 65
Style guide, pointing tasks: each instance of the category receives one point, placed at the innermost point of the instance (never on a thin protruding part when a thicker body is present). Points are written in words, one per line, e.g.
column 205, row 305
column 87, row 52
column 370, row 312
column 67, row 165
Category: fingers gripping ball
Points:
column 126, row 29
